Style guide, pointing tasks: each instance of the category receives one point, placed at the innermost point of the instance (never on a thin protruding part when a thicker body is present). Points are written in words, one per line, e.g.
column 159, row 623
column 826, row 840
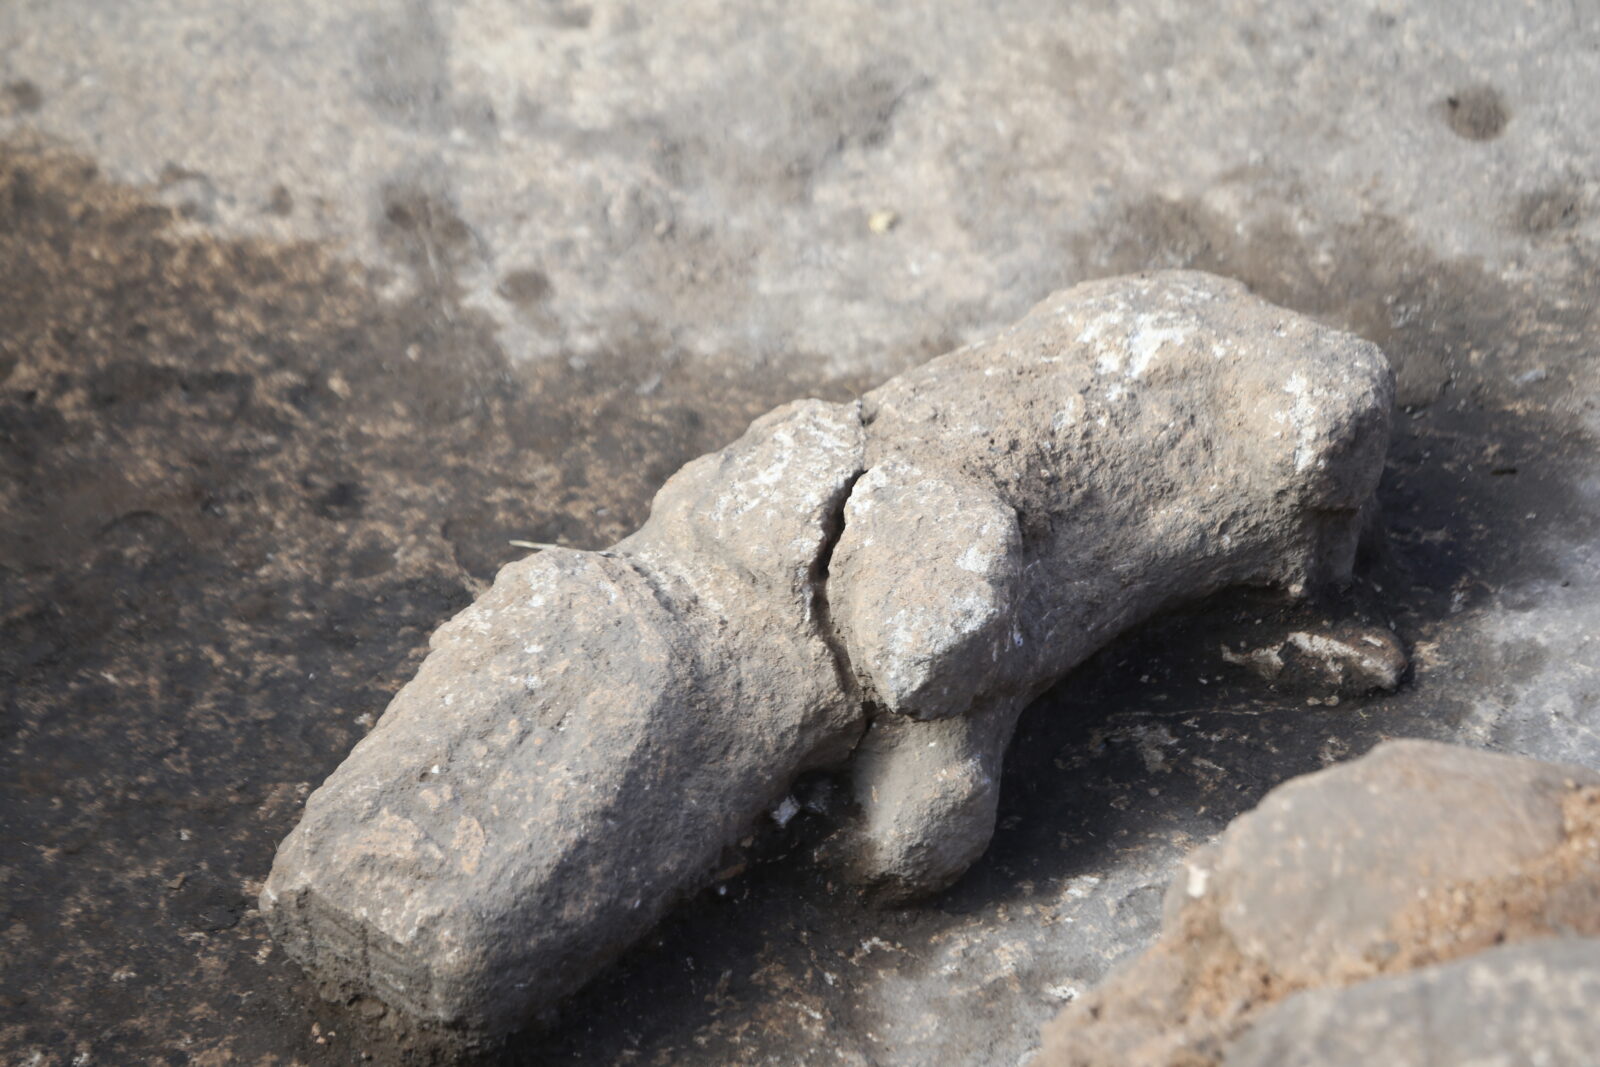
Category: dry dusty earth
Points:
column 303, row 316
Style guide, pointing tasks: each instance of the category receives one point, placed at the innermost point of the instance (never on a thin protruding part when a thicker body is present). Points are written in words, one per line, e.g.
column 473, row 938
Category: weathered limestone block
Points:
column 1532, row 1003
column 887, row 582
column 1313, row 879
column 1416, row 854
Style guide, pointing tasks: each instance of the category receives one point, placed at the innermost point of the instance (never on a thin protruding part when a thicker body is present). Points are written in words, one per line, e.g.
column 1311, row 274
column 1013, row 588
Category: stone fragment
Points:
column 1348, row 660
column 1129, row 445
column 1532, row 1003
column 917, row 621
column 1356, row 662
column 886, row 583
column 581, row 743
column 1415, row 854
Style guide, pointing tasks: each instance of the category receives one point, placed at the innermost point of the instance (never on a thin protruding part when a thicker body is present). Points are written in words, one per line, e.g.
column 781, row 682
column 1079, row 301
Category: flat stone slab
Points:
column 1359, row 885
column 1528, row 1003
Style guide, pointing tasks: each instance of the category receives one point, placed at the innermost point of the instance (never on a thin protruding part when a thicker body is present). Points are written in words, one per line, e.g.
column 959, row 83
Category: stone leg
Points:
column 928, row 792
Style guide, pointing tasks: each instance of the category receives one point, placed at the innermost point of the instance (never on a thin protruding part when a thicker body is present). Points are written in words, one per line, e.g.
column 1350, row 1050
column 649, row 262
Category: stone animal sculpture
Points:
column 883, row 584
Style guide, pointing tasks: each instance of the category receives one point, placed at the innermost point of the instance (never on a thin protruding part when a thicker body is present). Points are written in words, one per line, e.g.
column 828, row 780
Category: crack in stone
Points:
column 832, row 531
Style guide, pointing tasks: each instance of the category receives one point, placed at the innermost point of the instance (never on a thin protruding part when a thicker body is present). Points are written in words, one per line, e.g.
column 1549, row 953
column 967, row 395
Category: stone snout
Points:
column 883, row 585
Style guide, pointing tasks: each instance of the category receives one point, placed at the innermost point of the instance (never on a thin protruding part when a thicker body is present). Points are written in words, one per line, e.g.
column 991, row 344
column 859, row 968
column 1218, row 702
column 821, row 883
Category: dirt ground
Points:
column 244, row 474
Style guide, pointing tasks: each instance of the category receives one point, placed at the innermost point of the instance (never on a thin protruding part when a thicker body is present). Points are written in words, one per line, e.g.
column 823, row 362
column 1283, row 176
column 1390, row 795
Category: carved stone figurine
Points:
column 883, row 584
